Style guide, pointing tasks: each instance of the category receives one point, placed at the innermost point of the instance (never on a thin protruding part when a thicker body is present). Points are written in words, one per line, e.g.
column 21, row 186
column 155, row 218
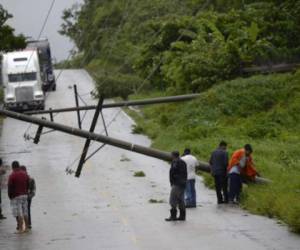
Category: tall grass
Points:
column 261, row 110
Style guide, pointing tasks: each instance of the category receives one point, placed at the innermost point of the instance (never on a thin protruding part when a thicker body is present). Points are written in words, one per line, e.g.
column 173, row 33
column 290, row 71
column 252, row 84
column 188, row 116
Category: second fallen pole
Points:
column 158, row 100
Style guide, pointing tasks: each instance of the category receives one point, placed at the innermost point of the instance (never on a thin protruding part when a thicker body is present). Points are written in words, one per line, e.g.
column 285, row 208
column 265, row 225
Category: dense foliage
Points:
column 179, row 46
column 8, row 40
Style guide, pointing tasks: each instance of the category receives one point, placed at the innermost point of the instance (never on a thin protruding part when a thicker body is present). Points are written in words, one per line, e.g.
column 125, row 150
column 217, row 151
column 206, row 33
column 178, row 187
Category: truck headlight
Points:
column 39, row 96
column 10, row 99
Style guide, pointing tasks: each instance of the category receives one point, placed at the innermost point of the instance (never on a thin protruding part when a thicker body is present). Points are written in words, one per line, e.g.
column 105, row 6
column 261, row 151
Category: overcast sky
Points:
column 29, row 15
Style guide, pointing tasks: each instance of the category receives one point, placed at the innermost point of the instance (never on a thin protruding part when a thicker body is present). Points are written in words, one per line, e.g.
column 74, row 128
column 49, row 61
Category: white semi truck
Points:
column 21, row 79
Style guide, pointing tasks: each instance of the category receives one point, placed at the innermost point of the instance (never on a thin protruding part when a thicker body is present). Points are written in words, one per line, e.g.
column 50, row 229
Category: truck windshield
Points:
column 22, row 77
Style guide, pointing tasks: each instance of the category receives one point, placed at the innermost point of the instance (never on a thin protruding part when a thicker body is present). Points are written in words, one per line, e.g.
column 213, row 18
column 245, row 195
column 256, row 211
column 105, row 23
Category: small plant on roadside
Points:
column 136, row 129
column 155, row 201
column 139, row 174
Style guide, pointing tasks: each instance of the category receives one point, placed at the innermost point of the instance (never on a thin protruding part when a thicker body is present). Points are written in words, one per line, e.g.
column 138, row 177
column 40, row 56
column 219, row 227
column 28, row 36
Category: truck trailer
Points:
column 21, row 79
column 44, row 53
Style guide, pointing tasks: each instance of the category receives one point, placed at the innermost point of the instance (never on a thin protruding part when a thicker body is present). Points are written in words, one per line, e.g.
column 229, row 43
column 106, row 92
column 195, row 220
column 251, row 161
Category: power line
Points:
column 46, row 19
column 42, row 29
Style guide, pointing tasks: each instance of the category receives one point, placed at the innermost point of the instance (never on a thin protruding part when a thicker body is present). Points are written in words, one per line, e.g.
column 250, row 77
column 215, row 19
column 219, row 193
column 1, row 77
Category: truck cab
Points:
column 21, row 79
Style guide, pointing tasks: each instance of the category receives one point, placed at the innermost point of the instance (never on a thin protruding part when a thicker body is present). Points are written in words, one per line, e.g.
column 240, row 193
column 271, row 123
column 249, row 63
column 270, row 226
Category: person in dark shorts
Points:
column 31, row 194
column 218, row 163
column 178, row 180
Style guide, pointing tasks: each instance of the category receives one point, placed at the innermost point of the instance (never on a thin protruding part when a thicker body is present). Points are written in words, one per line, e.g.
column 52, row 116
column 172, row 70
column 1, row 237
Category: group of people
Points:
column 21, row 189
column 224, row 171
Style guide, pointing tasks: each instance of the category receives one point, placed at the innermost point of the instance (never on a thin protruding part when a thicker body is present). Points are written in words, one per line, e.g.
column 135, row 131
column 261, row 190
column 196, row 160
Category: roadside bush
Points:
column 117, row 85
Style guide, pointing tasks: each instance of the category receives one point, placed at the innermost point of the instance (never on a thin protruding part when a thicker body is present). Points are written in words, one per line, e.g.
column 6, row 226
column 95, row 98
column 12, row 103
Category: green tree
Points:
column 181, row 46
column 8, row 40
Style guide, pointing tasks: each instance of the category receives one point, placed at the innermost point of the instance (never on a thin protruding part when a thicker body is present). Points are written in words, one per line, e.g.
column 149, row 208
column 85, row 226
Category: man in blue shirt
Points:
column 218, row 163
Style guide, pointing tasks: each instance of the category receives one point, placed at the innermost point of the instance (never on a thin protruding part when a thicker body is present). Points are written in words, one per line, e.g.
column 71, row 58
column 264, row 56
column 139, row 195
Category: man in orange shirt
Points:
column 240, row 165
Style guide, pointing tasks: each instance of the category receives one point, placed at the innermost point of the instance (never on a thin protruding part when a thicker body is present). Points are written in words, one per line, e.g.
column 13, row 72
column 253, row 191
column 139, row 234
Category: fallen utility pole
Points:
column 179, row 98
column 267, row 69
column 166, row 156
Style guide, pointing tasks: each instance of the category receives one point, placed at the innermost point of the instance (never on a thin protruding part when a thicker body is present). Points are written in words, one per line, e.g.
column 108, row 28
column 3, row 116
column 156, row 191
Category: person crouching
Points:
column 178, row 180
column 240, row 165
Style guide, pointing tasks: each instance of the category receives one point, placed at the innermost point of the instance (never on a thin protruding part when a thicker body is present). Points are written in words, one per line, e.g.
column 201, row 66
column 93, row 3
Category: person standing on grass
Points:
column 240, row 165
column 2, row 173
column 218, row 163
column 18, row 184
column 31, row 194
column 190, row 191
column 178, row 179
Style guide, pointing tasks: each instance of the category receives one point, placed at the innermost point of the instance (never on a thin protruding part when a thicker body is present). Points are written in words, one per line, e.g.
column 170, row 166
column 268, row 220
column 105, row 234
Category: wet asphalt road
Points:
column 108, row 208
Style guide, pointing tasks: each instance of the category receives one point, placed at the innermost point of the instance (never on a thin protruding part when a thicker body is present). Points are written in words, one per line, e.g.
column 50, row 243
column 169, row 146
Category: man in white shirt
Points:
column 190, row 191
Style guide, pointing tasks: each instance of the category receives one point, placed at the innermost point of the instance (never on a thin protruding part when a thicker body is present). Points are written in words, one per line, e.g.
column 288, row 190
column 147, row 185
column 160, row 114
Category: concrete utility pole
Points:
column 179, row 98
column 166, row 156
